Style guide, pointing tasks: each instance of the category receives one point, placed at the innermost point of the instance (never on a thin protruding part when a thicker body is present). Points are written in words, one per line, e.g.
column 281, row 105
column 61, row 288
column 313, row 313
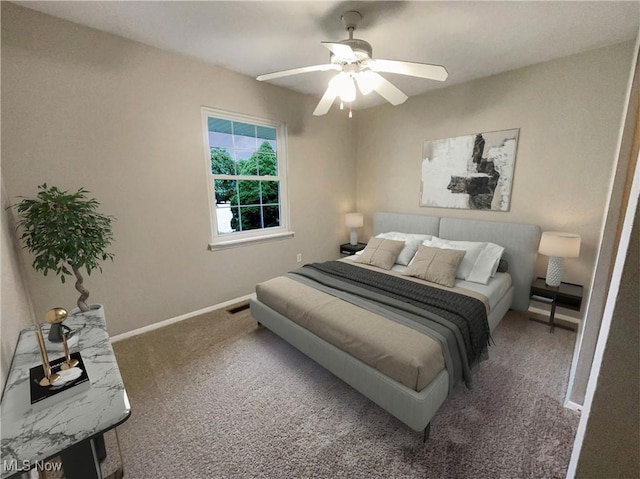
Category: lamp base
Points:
column 354, row 236
column 554, row 271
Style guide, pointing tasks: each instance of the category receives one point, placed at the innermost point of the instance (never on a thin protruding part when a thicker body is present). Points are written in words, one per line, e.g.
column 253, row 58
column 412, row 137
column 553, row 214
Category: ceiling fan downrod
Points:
column 360, row 48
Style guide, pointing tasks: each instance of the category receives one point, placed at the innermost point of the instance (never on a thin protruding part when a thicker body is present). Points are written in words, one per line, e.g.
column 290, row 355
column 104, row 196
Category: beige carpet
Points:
column 216, row 397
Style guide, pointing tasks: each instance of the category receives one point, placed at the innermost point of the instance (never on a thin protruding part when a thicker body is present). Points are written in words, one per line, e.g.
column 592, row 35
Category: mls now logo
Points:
column 14, row 465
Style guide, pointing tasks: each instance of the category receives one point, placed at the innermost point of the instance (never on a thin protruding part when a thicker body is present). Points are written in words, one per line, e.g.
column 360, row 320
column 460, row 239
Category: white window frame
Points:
column 228, row 240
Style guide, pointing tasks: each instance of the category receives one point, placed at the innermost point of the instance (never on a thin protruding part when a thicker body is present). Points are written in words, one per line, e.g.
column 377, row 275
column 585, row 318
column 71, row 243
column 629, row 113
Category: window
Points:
column 246, row 165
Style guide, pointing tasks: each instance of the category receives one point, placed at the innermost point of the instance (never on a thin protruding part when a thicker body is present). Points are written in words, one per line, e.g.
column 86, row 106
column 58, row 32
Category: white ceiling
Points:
column 472, row 39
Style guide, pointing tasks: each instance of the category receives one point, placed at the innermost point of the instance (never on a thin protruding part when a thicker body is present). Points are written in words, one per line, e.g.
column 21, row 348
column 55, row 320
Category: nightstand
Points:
column 567, row 295
column 348, row 249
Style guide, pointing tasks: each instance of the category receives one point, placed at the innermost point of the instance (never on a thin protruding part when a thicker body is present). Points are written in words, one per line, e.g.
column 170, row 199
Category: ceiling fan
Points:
column 352, row 58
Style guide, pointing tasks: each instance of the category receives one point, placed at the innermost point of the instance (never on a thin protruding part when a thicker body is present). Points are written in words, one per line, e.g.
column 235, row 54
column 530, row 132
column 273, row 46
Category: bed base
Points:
column 413, row 408
column 427, row 430
column 417, row 408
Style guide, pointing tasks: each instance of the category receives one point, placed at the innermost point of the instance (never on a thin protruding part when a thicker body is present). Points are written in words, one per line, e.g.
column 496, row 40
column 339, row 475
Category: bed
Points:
column 373, row 328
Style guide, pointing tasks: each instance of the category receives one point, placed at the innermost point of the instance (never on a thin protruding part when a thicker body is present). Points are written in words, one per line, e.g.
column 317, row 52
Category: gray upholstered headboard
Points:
column 520, row 241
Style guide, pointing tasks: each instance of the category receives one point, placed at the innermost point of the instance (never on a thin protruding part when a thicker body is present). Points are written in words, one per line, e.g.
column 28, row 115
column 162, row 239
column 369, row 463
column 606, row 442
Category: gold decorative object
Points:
column 55, row 317
column 48, row 378
column 69, row 363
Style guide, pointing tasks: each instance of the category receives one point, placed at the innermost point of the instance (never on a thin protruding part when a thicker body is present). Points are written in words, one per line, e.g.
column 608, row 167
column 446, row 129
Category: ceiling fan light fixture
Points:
column 366, row 81
column 353, row 59
column 348, row 94
column 343, row 84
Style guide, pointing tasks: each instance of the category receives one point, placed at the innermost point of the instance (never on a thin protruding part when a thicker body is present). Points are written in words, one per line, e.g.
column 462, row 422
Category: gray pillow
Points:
column 380, row 252
column 437, row 265
column 503, row 266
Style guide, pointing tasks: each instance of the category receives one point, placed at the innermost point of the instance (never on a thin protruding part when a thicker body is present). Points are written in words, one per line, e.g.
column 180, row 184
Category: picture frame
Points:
column 469, row 172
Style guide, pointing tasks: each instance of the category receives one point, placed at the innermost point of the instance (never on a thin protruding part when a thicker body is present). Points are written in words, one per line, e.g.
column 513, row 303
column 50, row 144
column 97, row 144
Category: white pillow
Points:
column 486, row 265
column 411, row 243
column 472, row 249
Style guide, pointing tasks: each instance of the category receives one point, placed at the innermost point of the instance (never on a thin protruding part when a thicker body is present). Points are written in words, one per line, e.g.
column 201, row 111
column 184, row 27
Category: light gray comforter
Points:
column 340, row 305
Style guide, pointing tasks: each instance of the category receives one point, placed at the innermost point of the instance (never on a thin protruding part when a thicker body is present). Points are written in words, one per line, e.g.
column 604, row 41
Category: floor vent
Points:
column 238, row 308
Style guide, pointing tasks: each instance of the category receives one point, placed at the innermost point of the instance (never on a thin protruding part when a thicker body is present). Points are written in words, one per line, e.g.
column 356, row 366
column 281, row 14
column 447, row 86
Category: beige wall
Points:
column 610, row 447
column 610, row 238
column 569, row 114
column 15, row 312
column 611, row 418
column 85, row 108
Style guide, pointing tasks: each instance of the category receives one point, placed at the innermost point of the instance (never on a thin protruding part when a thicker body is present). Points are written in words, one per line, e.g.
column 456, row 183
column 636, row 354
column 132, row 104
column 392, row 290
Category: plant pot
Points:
column 94, row 308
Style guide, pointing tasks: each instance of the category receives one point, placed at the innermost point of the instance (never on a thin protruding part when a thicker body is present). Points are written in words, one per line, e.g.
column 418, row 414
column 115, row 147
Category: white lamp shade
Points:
column 561, row 245
column 342, row 84
column 354, row 220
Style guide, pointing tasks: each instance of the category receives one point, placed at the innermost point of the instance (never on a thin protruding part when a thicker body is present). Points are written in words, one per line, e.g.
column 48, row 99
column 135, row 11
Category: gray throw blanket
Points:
column 459, row 322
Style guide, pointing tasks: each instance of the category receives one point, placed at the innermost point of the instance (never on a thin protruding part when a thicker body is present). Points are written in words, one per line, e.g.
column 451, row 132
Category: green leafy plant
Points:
column 65, row 233
column 257, row 198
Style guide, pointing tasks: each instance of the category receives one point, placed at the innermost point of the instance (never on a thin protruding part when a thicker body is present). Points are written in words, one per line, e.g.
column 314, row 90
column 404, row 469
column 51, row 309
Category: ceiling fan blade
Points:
column 387, row 90
column 326, row 101
column 422, row 70
column 342, row 51
column 296, row 71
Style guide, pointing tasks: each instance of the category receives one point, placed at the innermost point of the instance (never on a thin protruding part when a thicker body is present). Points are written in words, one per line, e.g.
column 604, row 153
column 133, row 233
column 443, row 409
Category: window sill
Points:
column 222, row 245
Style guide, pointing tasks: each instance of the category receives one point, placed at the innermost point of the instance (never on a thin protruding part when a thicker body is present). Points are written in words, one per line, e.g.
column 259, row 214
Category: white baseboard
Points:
column 574, row 406
column 564, row 317
column 208, row 309
column 167, row 322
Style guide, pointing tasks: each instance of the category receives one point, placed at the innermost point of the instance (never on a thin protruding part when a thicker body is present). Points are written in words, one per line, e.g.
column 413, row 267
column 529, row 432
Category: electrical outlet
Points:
column 299, row 257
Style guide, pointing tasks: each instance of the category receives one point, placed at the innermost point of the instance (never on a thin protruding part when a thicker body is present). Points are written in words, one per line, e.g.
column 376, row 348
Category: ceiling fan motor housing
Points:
column 361, row 48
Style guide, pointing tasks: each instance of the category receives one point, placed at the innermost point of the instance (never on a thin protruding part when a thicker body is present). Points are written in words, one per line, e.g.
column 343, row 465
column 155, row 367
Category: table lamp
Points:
column 558, row 246
column 354, row 221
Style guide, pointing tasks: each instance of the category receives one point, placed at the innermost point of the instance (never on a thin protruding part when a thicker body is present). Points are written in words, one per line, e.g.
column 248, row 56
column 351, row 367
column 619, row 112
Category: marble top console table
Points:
column 68, row 427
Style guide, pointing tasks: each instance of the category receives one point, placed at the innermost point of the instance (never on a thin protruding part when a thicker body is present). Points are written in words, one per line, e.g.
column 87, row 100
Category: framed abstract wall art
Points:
column 469, row 172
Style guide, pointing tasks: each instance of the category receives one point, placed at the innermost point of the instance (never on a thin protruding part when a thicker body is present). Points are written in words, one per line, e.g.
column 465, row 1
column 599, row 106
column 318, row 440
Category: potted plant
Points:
column 65, row 233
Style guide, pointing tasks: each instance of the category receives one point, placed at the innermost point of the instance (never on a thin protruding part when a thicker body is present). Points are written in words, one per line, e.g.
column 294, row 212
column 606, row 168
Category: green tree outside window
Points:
column 254, row 203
